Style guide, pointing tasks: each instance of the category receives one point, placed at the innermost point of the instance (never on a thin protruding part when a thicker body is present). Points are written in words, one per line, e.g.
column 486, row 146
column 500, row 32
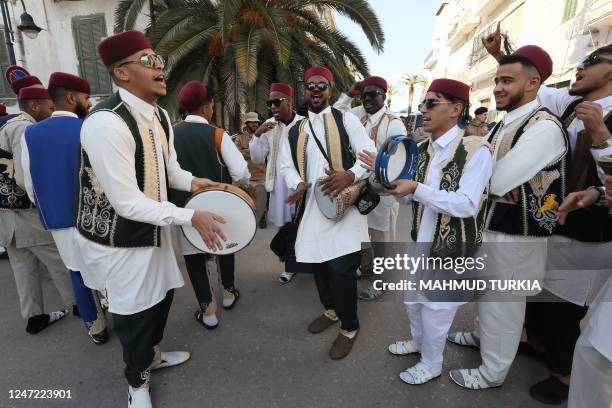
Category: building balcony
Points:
column 463, row 27
column 431, row 59
column 600, row 13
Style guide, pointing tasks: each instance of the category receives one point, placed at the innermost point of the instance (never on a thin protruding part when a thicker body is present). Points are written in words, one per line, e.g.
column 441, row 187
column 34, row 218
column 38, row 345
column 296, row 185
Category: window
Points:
column 570, row 9
column 5, row 89
column 88, row 31
column 478, row 49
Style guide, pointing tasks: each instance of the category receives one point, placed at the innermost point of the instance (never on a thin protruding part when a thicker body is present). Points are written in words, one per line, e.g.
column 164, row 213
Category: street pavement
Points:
column 261, row 355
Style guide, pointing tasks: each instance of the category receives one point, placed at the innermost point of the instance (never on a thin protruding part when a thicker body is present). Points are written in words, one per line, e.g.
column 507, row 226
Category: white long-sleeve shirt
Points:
column 64, row 237
column 461, row 203
column 279, row 212
column 557, row 102
column 236, row 165
column 135, row 279
column 386, row 211
column 320, row 239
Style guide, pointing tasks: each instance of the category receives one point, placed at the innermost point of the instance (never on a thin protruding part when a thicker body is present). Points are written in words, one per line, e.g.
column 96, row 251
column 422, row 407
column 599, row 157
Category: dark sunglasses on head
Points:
column 595, row 59
column 371, row 94
column 430, row 103
column 275, row 102
column 321, row 86
column 148, row 60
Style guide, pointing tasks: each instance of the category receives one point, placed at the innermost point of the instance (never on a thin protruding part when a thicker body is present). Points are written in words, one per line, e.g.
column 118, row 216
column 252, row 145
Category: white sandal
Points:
column 464, row 339
column 417, row 375
column 286, row 277
column 403, row 347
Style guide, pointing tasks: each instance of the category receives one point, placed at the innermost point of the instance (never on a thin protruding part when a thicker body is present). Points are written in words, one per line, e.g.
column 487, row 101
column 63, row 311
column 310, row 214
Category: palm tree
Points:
column 127, row 12
column 411, row 80
column 240, row 46
column 391, row 92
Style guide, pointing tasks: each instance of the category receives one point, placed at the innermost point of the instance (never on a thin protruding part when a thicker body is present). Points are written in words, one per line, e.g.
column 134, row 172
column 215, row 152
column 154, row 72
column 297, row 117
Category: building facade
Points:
column 71, row 31
column 567, row 29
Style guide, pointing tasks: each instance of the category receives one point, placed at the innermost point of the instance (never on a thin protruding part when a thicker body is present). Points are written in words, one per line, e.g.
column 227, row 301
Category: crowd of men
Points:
column 96, row 195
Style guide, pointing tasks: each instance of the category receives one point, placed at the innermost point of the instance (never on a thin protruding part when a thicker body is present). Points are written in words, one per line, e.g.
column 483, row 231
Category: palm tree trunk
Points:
column 410, row 97
column 152, row 13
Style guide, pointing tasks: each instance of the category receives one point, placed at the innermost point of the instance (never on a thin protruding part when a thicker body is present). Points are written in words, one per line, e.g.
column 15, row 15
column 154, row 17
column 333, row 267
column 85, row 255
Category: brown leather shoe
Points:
column 342, row 346
column 321, row 323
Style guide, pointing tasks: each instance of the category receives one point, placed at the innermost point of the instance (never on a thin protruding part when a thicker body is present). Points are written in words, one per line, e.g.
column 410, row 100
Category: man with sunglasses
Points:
column 127, row 164
column 320, row 150
column 264, row 147
column 528, row 183
column 380, row 123
column 449, row 201
column 206, row 151
column 554, row 327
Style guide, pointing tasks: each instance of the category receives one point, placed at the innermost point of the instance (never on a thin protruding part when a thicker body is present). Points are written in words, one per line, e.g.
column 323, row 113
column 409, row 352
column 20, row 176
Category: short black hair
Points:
column 481, row 110
column 464, row 117
column 57, row 93
column 515, row 59
column 606, row 49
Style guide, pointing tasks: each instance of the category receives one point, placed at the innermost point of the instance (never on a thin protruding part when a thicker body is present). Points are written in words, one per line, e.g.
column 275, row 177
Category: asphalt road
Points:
column 261, row 355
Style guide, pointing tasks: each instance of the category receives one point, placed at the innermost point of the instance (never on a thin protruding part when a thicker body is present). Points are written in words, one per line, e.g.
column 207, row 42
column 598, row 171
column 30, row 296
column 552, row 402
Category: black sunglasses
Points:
column 595, row 59
column 321, row 86
column 371, row 94
column 275, row 102
column 431, row 103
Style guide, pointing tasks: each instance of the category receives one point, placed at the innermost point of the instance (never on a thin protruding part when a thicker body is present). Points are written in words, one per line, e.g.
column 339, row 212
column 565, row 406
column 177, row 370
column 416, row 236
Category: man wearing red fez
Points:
column 585, row 111
column 333, row 247
column 208, row 152
column 380, row 123
column 450, row 189
column 124, row 215
column 529, row 181
column 21, row 230
column 49, row 159
column 264, row 148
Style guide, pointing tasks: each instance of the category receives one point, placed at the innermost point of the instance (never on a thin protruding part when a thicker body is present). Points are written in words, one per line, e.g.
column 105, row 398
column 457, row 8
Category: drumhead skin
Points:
column 396, row 163
column 326, row 203
column 240, row 224
column 397, row 158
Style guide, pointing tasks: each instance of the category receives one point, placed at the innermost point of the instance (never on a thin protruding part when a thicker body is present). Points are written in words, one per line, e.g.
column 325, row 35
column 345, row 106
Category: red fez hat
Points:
column 450, row 87
column 192, row 95
column 32, row 92
column 24, row 82
column 376, row 81
column 2, row 108
column 322, row 71
column 538, row 57
column 122, row 45
column 69, row 81
column 283, row 88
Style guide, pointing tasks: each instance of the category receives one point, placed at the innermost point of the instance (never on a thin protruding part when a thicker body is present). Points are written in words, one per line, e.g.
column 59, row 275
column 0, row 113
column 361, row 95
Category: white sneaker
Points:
column 418, row 374
column 139, row 397
column 471, row 378
column 404, row 347
column 169, row 359
column 286, row 277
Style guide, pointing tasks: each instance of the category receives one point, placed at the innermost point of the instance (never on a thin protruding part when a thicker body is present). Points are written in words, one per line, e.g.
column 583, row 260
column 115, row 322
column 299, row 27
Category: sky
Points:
column 408, row 26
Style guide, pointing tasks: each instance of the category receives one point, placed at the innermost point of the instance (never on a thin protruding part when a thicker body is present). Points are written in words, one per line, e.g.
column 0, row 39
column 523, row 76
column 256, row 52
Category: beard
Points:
column 80, row 110
column 512, row 102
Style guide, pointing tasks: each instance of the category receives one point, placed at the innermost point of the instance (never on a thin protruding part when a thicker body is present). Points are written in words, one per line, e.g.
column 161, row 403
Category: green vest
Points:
column 450, row 231
column 196, row 152
column 96, row 219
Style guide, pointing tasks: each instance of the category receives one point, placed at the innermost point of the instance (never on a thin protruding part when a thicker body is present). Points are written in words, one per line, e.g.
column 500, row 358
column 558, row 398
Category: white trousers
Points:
column 429, row 328
column 591, row 385
column 499, row 327
column 27, row 264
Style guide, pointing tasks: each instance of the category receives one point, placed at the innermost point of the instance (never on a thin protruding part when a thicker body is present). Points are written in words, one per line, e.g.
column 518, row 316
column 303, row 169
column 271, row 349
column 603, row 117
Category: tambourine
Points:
column 397, row 158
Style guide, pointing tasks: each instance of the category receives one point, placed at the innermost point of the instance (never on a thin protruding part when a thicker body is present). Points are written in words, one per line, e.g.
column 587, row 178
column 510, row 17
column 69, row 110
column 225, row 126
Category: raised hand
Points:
column 265, row 127
column 493, row 42
column 355, row 90
column 574, row 201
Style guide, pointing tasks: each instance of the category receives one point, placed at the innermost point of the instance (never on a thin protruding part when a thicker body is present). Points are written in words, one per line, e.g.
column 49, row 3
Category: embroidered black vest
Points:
column 534, row 214
column 96, row 219
column 344, row 147
column 12, row 197
column 451, row 232
column 195, row 150
column 594, row 223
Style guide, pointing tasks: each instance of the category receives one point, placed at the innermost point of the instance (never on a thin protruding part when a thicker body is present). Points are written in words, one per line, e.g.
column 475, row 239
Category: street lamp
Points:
column 27, row 26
